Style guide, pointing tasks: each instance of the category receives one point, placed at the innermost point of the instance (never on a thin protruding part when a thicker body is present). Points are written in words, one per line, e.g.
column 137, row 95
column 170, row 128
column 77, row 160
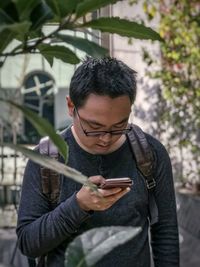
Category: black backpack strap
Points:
column 143, row 155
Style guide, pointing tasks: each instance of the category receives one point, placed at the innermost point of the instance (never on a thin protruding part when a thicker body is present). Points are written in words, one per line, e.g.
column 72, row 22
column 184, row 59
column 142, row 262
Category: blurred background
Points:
column 167, row 106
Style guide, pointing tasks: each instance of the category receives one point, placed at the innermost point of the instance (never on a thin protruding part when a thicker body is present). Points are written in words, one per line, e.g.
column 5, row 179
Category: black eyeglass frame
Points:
column 101, row 133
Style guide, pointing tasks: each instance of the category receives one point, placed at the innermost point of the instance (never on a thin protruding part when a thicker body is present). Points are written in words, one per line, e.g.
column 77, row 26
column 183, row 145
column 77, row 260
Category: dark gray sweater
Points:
column 42, row 231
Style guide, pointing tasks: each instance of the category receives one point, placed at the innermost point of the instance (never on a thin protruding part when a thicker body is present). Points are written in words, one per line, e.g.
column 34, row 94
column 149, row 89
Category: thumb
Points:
column 98, row 179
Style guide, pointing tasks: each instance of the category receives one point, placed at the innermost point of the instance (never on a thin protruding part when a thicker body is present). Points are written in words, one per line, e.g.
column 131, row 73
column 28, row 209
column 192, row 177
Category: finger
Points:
column 98, row 179
column 106, row 202
column 109, row 192
column 123, row 192
column 117, row 196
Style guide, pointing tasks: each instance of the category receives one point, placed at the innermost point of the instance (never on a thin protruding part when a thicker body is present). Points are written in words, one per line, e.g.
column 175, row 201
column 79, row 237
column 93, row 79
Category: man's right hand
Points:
column 101, row 200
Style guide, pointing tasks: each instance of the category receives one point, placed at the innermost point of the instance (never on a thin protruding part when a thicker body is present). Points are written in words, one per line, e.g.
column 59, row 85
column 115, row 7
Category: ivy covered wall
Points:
column 177, row 102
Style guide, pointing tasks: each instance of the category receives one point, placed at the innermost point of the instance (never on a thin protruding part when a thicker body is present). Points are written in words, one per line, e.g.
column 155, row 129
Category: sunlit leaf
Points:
column 60, row 52
column 123, row 27
column 87, row 249
column 51, row 163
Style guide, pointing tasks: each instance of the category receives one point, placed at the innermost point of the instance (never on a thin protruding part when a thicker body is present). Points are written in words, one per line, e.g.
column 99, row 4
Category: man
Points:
column 102, row 92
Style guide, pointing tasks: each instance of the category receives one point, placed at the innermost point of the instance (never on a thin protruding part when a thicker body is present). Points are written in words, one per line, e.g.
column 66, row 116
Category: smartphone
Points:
column 116, row 182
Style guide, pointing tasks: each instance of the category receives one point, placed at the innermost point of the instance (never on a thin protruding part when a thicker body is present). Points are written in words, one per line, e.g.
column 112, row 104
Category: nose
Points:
column 105, row 137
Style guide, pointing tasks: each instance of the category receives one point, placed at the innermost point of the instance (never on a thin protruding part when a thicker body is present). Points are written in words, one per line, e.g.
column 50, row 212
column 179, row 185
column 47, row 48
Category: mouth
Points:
column 103, row 146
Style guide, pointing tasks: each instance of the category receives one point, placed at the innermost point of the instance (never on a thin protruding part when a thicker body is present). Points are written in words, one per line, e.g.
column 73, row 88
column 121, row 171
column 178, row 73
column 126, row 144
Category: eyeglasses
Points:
column 101, row 133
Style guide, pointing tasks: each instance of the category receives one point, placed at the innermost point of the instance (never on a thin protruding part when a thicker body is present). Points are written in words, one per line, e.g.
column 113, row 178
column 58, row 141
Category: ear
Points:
column 70, row 106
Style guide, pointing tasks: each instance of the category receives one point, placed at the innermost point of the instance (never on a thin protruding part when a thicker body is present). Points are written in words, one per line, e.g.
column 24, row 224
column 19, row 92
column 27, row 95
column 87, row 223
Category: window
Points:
column 38, row 93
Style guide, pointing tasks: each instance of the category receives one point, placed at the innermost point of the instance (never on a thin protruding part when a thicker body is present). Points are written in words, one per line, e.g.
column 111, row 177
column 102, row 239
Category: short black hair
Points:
column 102, row 76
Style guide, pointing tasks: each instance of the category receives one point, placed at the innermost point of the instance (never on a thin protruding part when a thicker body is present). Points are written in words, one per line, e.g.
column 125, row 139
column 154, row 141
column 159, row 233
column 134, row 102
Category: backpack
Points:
column 142, row 152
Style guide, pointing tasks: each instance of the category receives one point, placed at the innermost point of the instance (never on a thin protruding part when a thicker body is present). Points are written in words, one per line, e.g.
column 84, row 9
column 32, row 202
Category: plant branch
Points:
column 30, row 48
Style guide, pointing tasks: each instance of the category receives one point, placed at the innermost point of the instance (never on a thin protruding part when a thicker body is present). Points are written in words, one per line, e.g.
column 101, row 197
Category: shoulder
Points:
column 154, row 142
column 157, row 147
column 32, row 166
column 66, row 134
column 162, row 162
column 47, row 147
column 137, row 135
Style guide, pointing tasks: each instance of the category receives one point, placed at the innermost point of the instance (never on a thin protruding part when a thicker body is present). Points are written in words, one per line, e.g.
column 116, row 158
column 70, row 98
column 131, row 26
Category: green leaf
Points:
column 5, row 18
column 6, row 37
column 42, row 126
column 87, row 249
column 18, row 29
column 4, row 3
column 123, row 27
column 85, row 45
column 60, row 52
column 41, row 14
column 90, row 5
column 11, row 11
column 48, row 58
column 25, row 8
column 35, row 34
column 62, row 8
column 52, row 164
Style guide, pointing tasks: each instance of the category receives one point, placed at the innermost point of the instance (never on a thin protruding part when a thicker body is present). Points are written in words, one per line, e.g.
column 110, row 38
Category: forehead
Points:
column 105, row 107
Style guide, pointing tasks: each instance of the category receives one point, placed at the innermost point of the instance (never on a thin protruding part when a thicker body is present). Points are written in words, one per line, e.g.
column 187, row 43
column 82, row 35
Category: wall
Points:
column 131, row 54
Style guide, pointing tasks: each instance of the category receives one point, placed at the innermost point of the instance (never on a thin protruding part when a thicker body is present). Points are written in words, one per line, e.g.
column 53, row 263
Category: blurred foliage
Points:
column 24, row 21
column 90, row 247
column 179, row 76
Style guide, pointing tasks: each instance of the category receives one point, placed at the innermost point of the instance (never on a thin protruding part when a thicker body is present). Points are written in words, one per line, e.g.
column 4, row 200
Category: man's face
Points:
column 100, row 113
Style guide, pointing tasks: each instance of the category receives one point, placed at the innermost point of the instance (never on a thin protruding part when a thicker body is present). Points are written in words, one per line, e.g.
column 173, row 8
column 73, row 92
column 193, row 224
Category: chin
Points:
column 102, row 150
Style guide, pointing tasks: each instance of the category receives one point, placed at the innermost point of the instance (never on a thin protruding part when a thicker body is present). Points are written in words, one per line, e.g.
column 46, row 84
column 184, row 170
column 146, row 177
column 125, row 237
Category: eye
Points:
column 121, row 125
column 94, row 126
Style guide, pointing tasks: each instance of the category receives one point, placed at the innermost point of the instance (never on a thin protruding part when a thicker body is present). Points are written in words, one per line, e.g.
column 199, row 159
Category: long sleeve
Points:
column 39, row 229
column 164, row 234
